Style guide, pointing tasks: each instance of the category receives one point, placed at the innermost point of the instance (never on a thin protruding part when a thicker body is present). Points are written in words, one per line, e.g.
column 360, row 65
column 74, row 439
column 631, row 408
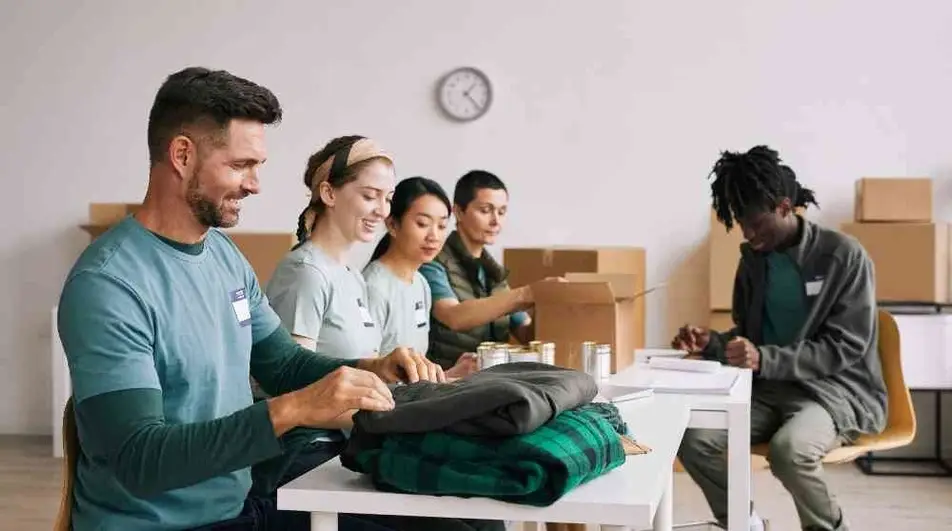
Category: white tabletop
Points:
column 739, row 394
column 627, row 495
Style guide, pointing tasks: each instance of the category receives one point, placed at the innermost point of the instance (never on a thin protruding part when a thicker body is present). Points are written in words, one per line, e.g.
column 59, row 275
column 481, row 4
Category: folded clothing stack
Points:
column 519, row 432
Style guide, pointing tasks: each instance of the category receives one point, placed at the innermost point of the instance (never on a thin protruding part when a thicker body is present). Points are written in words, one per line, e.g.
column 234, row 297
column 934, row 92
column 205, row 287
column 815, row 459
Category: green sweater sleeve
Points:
column 127, row 431
column 280, row 365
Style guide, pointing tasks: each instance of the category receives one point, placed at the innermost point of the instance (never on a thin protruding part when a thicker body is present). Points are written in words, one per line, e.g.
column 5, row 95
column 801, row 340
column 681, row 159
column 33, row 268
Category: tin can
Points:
column 589, row 363
column 490, row 355
column 603, row 362
column 547, row 354
column 546, row 351
column 519, row 354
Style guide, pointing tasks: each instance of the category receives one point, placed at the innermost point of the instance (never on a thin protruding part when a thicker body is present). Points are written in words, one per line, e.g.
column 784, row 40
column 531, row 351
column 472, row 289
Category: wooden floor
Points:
column 30, row 483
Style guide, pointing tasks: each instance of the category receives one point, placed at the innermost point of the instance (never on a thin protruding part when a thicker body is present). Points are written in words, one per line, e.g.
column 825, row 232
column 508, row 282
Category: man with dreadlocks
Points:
column 805, row 322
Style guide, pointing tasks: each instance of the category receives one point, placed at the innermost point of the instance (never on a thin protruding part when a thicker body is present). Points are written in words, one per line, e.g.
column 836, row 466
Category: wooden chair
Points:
column 901, row 417
column 70, row 453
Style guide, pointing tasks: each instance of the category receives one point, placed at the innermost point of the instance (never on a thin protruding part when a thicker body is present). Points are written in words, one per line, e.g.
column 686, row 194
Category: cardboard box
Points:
column 893, row 199
column 911, row 259
column 262, row 249
column 528, row 265
column 725, row 255
column 721, row 321
column 110, row 213
column 589, row 307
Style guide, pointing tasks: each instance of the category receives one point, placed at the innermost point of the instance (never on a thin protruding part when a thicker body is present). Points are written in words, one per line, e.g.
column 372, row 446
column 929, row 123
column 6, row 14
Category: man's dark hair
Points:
column 754, row 181
column 470, row 184
column 210, row 99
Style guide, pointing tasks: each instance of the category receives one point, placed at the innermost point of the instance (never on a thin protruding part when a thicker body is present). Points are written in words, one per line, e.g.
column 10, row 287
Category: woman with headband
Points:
column 323, row 302
column 318, row 297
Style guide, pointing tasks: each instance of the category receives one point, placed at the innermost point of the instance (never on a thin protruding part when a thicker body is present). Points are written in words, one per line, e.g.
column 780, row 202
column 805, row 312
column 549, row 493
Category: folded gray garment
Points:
column 503, row 400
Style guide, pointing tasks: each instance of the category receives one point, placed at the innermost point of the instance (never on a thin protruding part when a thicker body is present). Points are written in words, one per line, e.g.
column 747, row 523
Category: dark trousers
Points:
column 261, row 512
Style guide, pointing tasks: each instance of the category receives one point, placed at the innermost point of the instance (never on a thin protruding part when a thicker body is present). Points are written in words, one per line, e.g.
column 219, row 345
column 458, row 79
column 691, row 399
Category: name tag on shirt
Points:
column 419, row 313
column 239, row 303
column 365, row 314
column 813, row 287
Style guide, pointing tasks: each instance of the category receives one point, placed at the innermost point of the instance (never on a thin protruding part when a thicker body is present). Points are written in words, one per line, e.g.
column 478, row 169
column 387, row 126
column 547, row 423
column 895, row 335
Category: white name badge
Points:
column 813, row 287
column 365, row 314
column 239, row 303
column 419, row 314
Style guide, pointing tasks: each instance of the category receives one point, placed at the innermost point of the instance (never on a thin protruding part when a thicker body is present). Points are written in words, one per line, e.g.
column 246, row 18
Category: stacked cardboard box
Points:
column 602, row 300
column 724, row 257
column 893, row 220
column 262, row 249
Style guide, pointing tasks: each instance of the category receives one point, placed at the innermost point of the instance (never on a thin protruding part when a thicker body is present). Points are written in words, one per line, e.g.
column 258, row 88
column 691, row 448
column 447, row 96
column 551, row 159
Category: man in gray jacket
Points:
column 805, row 322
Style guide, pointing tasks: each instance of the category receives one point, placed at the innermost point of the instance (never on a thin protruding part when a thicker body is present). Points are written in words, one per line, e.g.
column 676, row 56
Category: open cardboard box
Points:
column 527, row 265
column 588, row 307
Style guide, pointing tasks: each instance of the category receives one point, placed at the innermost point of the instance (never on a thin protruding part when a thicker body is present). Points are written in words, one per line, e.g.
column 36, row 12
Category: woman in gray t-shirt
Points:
column 398, row 295
column 319, row 298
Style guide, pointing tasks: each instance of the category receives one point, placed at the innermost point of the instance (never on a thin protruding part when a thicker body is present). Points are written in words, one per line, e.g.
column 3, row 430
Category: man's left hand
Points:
column 742, row 353
column 403, row 365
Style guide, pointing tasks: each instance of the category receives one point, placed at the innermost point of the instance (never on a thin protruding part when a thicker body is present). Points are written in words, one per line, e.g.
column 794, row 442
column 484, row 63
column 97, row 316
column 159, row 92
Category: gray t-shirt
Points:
column 321, row 299
column 401, row 309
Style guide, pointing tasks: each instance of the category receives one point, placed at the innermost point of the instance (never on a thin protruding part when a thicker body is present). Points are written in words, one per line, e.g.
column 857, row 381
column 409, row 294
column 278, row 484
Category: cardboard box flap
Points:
column 550, row 293
column 623, row 286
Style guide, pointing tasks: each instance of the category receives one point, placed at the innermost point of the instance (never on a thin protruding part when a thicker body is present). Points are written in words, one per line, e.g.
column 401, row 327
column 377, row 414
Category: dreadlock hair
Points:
column 752, row 181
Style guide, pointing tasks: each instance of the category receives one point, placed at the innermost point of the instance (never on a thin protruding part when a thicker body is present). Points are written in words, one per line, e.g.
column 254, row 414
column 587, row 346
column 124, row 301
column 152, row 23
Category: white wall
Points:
column 607, row 118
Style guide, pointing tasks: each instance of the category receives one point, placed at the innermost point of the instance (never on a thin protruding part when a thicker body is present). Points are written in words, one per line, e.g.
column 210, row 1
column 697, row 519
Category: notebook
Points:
column 622, row 393
column 677, row 364
column 683, row 382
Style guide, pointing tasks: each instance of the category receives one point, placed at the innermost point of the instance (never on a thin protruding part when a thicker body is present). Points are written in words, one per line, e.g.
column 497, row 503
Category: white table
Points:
column 729, row 412
column 636, row 494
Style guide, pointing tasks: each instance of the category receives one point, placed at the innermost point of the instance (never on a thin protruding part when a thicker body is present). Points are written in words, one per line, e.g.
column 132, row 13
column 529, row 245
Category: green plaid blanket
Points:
column 536, row 468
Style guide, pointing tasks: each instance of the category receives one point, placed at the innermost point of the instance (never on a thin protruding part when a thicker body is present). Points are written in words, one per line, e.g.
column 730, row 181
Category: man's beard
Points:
column 206, row 211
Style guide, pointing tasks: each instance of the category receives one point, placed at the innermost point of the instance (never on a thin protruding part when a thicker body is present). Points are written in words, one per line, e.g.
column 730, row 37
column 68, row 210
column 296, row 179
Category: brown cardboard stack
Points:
column 910, row 251
column 262, row 249
column 724, row 257
column 600, row 302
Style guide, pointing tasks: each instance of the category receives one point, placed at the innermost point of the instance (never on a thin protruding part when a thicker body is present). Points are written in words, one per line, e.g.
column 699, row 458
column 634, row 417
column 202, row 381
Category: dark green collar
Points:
column 193, row 249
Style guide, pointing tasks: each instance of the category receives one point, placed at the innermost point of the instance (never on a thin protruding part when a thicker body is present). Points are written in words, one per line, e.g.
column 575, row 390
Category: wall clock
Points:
column 464, row 94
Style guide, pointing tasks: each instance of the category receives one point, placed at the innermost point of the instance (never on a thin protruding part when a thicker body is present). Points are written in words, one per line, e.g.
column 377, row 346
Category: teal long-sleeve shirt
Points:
column 161, row 340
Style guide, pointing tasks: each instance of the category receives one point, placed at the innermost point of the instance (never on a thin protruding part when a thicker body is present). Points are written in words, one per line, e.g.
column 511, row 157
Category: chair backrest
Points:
column 901, row 416
column 70, row 454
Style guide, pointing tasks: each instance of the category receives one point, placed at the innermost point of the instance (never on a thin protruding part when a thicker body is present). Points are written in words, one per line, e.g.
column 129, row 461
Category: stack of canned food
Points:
column 596, row 358
column 489, row 354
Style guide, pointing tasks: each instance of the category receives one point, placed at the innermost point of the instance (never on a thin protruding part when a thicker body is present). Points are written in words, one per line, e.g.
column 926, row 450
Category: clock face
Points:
column 465, row 94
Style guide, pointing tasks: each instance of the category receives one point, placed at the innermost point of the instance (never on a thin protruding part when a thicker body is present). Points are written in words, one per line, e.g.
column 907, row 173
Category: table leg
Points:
column 323, row 521
column 664, row 515
column 738, row 467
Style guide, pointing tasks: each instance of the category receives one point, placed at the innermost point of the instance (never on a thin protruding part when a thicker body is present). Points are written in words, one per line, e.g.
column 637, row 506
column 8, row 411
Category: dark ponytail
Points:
column 406, row 192
column 382, row 246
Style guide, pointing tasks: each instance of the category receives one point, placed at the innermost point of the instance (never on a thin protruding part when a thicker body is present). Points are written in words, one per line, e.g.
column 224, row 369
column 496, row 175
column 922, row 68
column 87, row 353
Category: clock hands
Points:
column 466, row 94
